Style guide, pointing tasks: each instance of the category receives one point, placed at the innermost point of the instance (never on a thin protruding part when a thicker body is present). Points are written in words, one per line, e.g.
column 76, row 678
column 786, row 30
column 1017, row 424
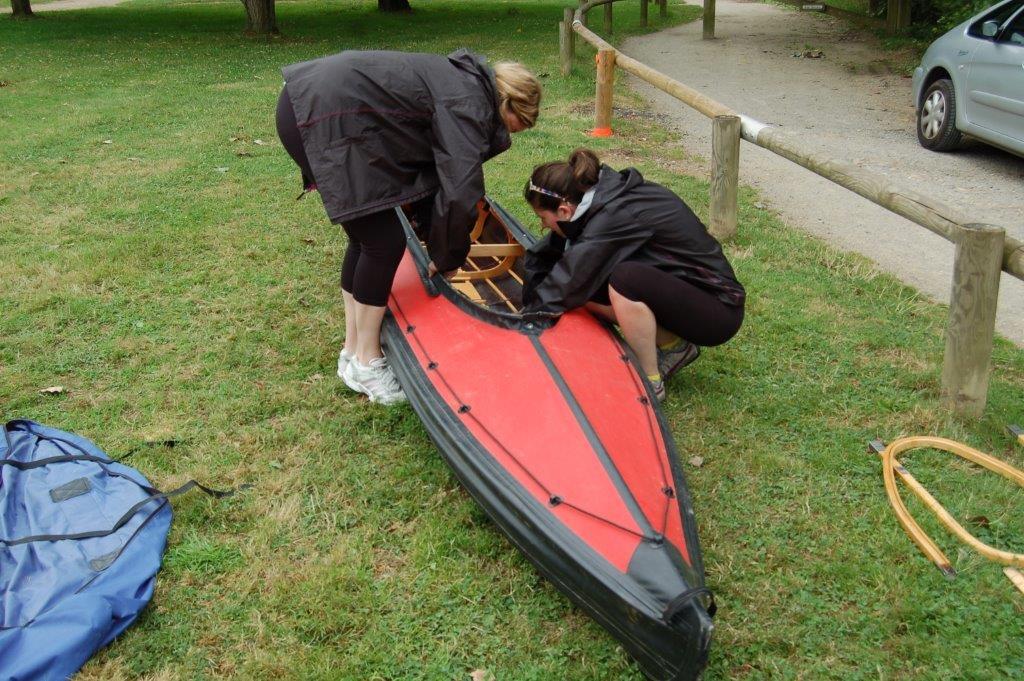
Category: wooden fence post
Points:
column 725, row 174
column 603, row 99
column 566, row 41
column 643, row 13
column 972, row 317
column 709, row 19
column 664, row 8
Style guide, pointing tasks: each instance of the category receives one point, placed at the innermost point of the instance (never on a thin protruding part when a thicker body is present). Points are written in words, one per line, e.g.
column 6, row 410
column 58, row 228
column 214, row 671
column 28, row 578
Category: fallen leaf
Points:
column 4, row 83
column 108, row 141
column 243, row 153
column 696, row 461
column 259, row 142
column 276, row 465
column 222, row 169
column 52, row 390
column 308, row 240
column 481, row 675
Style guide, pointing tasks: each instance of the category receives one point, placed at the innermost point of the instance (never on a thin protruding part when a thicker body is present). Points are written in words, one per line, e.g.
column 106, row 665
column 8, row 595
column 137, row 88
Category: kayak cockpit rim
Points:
column 529, row 323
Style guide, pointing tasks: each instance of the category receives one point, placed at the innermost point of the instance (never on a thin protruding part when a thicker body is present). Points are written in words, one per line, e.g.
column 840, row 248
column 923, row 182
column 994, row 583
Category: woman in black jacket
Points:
column 634, row 253
column 375, row 130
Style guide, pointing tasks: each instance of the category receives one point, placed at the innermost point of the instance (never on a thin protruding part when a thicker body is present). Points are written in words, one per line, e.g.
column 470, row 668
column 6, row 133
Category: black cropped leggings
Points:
column 376, row 242
column 291, row 138
column 686, row 310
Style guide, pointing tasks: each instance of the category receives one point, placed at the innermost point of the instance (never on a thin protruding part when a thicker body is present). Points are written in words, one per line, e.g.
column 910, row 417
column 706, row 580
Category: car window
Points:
column 1014, row 33
column 998, row 15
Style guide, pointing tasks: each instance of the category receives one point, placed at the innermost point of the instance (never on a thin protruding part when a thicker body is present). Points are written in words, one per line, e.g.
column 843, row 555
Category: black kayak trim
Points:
column 621, row 487
column 624, row 604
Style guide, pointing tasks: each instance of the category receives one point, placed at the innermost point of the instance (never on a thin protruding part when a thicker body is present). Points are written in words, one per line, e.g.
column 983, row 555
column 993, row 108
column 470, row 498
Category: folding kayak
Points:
column 553, row 431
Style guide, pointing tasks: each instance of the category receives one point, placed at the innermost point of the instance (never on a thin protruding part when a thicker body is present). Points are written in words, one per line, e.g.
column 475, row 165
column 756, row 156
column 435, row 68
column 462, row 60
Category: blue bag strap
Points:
column 154, row 493
column 190, row 485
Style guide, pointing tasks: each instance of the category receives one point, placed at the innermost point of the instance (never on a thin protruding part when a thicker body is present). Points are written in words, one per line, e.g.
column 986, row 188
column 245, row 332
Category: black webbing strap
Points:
column 38, row 463
column 680, row 601
column 191, row 484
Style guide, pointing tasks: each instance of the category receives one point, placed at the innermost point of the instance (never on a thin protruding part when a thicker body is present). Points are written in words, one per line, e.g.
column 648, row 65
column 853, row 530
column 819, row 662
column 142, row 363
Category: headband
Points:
column 546, row 192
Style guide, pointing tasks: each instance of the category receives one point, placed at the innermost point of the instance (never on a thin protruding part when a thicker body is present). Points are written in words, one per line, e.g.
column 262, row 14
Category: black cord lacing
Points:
column 555, row 500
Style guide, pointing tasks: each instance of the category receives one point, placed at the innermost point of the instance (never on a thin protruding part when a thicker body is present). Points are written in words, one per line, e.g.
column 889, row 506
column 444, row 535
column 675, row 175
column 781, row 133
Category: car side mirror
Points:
column 990, row 28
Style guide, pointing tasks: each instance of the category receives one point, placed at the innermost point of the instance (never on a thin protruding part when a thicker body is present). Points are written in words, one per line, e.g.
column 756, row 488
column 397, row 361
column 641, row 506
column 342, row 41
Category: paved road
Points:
column 848, row 105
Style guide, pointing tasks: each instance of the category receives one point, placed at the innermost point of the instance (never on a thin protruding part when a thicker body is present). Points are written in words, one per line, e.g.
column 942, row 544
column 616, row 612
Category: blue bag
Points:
column 81, row 540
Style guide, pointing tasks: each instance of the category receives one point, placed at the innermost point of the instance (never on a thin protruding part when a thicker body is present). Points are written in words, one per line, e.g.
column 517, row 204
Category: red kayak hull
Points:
column 553, row 431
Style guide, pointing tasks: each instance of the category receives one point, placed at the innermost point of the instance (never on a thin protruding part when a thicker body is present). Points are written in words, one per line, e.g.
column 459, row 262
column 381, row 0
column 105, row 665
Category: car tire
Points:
column 936, row 117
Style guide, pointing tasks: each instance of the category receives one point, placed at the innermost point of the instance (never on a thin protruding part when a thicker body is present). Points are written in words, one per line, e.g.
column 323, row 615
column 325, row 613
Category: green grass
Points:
column 176, row 301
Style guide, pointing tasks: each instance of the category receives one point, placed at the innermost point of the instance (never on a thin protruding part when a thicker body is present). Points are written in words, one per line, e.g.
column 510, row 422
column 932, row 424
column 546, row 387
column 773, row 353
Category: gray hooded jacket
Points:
column 382, row 129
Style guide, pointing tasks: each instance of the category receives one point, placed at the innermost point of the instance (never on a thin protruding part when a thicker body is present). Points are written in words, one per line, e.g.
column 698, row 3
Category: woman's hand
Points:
column 432, row 270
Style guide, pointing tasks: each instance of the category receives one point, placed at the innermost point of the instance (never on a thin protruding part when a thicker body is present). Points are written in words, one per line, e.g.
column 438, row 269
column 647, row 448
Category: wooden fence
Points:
column 982, row 251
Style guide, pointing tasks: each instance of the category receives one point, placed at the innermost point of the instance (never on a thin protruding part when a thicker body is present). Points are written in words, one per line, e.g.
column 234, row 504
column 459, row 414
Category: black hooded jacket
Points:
column 382, row 129
column 629, row 219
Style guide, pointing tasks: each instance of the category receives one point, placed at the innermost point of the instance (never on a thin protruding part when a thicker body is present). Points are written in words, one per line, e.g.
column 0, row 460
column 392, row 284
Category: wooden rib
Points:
column 504, row 266
column 495, row 250
column 501, row 294
column 482, row 211
column 467, row 289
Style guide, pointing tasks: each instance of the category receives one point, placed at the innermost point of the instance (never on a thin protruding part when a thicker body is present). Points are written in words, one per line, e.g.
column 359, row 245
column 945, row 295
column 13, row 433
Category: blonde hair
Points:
column 518, row 91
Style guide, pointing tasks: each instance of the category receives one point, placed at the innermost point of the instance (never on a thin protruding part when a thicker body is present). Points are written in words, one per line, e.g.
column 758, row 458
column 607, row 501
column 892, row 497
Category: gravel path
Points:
column 849, row 105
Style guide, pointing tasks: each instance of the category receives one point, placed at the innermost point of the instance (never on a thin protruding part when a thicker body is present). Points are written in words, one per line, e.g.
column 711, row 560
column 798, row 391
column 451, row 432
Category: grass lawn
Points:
column 157, row 266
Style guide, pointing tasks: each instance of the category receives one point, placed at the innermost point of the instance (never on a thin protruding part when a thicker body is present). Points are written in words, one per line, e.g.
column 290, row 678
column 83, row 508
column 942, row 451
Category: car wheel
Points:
column 936, row 118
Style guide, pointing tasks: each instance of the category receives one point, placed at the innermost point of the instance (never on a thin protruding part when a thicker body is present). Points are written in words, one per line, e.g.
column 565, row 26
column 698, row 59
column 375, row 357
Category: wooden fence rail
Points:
column 982, row 251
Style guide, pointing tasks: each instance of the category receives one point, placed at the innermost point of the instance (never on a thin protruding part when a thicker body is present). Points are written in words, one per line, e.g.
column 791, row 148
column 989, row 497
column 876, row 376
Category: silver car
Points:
column 971, row 82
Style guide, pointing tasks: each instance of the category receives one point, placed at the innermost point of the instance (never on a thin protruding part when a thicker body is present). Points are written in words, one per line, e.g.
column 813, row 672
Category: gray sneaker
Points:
column 671, row 361
column 659, row 390
column 376, row 380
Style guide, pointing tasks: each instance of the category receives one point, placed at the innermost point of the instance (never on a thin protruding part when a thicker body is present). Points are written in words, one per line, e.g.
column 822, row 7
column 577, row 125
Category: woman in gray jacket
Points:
column 634, row 253
column 371, row 131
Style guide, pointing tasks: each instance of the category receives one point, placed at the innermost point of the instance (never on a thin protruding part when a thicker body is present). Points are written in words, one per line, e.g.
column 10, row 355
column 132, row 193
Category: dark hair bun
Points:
column 585, row 167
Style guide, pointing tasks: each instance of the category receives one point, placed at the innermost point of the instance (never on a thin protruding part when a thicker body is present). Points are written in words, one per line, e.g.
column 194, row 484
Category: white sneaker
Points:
column 375, row 380
column 344, row 357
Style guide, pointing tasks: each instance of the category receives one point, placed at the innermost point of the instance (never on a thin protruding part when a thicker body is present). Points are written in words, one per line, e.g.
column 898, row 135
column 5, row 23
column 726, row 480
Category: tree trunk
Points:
column 260, row 17
column 21, row 9
column 393, row 6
